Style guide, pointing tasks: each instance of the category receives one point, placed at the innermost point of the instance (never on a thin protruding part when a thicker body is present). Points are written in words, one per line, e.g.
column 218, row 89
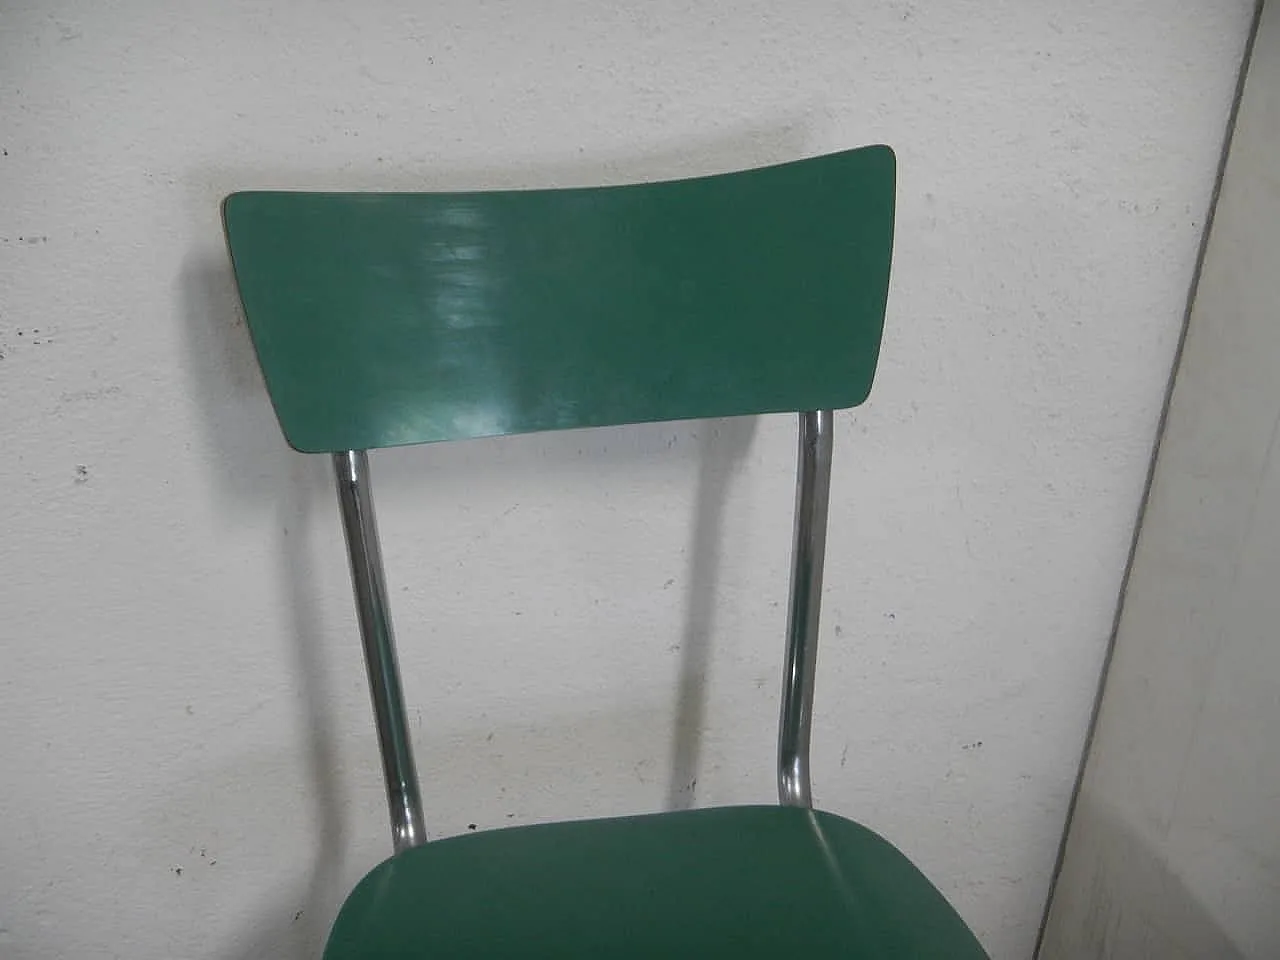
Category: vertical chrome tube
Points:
column 813, row 493
column 355, row 497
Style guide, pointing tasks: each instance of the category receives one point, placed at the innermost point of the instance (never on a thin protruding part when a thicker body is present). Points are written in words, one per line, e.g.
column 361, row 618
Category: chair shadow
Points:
column 259, row 480
column 296, row 567
column 723, row 447
column 261, row 475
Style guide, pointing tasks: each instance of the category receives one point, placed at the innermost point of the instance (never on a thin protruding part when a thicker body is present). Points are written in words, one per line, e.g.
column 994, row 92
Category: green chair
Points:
column 388, row 319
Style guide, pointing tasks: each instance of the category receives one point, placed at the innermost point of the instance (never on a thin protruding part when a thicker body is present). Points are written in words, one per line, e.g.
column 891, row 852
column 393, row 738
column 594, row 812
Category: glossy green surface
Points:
column 738, row 882
column 385, row 319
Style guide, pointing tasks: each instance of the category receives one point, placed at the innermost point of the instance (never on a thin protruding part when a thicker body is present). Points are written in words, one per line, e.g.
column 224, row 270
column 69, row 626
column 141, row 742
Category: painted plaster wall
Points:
column 590, row 624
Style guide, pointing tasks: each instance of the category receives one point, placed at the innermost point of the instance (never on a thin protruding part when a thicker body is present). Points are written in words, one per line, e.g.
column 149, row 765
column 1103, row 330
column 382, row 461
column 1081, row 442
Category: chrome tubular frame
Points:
column 404, row 802
column 355, row 497
column 813, row 493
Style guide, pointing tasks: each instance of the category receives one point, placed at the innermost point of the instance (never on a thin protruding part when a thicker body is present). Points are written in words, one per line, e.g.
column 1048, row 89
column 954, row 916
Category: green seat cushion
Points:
column 743, row 882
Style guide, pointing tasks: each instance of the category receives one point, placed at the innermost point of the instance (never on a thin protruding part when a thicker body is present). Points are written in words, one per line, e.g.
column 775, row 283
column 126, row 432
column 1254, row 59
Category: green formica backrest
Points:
column 383, row 319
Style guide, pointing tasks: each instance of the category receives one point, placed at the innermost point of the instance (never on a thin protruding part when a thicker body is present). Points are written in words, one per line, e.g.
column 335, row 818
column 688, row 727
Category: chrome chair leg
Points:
column 813, row 493
column 355, row 497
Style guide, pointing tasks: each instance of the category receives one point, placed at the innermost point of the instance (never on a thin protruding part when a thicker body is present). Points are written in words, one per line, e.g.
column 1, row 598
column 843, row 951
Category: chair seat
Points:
column 724, row 882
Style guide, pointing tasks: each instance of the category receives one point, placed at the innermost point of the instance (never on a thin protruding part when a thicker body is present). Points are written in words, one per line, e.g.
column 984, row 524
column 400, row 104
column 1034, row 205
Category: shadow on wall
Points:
column 257, row 470
column 1129, row 903
column 258, row 475
column 723, row 448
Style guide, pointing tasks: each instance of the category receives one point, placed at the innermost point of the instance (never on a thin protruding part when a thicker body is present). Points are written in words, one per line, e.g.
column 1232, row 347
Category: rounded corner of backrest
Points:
column 228, row 208
column 885, row 150
column 864, row 394
column 878, row 159
column 300, row 443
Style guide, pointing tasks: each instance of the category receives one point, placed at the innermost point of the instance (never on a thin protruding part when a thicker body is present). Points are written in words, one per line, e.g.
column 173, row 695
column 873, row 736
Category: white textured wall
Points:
column 187, row 757
column 1174, row 850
